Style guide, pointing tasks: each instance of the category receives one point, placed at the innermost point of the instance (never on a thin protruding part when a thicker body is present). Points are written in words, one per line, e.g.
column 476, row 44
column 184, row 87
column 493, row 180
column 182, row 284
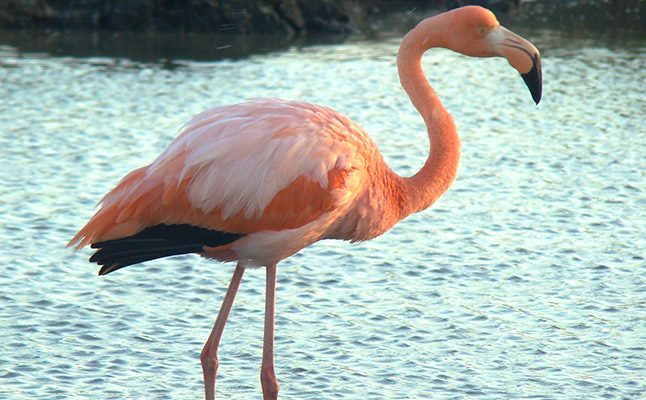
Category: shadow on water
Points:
column 157, row 46
column 166, row 47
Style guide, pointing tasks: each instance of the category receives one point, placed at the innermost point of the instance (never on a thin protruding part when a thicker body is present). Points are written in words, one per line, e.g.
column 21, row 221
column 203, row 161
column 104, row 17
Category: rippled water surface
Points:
column 526, row 280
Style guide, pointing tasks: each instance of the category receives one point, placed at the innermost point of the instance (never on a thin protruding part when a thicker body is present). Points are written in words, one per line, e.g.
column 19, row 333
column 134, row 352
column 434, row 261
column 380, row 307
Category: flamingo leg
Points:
column 209, row 356
column 268, row 379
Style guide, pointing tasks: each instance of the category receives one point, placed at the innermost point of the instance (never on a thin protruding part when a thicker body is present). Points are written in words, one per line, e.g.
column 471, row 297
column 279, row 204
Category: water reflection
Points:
column 144, row 47
column 166, row 47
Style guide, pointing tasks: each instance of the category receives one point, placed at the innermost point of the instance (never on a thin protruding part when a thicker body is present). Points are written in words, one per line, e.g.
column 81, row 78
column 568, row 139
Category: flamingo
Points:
column 258, row 181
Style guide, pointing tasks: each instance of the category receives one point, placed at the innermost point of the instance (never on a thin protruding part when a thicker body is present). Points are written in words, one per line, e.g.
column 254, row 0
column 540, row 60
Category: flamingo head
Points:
column 476, row 32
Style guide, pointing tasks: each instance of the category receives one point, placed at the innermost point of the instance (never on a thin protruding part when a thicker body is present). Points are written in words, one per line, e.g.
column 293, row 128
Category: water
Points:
column 526, row 280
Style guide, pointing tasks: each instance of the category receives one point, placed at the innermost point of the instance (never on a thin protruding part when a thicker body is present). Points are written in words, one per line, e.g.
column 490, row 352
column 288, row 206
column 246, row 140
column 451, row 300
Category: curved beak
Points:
column 521, row 55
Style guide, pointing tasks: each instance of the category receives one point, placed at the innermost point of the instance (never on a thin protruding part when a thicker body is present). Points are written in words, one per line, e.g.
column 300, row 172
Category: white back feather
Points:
column 238, row 157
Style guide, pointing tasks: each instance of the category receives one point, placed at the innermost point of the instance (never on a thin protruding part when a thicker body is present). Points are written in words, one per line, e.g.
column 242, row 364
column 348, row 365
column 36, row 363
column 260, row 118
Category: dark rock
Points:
column 330, row 16
column 23, row 12
column 290, row 17
column 265, row 16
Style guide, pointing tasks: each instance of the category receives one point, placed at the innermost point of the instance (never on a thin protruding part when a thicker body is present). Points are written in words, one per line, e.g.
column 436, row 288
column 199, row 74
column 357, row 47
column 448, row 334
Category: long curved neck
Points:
column 439, row 171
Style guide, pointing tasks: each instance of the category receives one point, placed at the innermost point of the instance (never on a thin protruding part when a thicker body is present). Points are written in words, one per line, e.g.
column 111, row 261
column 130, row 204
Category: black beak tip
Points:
column 534, row 80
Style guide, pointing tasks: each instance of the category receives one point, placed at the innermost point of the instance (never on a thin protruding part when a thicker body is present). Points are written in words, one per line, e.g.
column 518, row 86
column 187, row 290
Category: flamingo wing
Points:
column 262, row 165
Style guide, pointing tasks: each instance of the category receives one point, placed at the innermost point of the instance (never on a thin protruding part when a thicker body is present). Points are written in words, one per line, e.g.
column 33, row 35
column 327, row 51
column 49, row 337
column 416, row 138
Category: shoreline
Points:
column 291, row 18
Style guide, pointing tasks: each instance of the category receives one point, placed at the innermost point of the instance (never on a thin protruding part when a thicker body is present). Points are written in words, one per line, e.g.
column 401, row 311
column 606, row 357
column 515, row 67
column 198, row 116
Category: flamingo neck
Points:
column 440, row 169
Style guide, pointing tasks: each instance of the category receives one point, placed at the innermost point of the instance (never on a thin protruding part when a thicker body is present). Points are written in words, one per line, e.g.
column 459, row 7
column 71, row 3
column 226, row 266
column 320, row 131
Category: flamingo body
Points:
column 279, row 174
column 258, row 181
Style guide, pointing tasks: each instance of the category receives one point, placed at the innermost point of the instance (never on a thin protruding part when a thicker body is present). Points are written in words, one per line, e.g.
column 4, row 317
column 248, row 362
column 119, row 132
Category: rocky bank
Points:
column 292, row 17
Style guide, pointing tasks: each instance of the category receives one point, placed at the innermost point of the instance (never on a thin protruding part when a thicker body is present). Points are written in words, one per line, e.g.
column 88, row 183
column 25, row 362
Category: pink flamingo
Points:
column 258, row 181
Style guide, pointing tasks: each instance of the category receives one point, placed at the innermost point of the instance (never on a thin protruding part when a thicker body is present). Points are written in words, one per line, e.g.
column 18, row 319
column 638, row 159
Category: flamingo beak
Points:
column 522, row 55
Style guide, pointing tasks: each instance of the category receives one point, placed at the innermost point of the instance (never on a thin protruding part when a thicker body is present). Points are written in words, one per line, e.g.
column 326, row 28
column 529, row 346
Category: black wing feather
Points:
column 156, row 242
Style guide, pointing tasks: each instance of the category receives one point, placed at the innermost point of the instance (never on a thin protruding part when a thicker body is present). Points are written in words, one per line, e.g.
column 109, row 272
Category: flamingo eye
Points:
column 482, row 31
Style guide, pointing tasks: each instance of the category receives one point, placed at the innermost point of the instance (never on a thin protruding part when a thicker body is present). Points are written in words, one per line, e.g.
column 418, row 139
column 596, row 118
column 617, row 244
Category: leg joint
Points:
column 209, row 362
column 269, row 383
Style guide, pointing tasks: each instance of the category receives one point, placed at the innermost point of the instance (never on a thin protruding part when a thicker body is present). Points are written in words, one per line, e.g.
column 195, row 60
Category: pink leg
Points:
column 268, row 379
column 209, row 356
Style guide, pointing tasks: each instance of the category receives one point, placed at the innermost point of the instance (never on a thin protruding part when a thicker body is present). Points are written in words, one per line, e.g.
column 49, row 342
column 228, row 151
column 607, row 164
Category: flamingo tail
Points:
column 156, row 242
